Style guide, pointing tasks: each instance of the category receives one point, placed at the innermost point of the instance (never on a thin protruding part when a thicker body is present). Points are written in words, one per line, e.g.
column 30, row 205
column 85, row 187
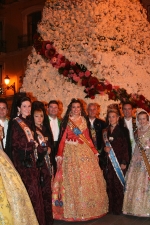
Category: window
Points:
column 30, row 16
column 2, row 42
column 32, row 21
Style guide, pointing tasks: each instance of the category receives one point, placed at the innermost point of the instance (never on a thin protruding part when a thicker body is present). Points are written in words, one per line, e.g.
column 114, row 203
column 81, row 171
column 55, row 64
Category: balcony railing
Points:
column 2, row 46
column 25, row 41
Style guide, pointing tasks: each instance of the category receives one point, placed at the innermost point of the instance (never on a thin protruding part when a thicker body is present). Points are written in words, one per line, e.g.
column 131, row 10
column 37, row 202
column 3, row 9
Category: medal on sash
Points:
column 42, row 141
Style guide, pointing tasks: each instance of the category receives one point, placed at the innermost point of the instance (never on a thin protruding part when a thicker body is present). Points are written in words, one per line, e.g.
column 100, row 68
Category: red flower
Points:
column 93, row 81
column 100, row 87
column 109, row 87
column 81, row 74
column 46, row 44
column 75, row 78
column 53, row 60
column 65, row 73
column 91, row 93
column 67, row 64
column 115, row 87
column 38, row 42
column 140, row 104
column 58, row 61
column 49, row 53
column 87, row 73
column 92, row 97
column 142, row 98
column 111, row 95
column 76, row 69
column 85, row 82
column 147, row 109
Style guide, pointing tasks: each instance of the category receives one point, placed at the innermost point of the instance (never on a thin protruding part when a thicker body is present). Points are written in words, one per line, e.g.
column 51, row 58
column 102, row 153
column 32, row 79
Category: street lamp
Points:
column 7, row 80
column 12, row 87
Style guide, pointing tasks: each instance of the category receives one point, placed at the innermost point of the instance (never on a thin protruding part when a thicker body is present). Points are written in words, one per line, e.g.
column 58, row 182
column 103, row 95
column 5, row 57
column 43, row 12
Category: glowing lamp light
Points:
column 12, row 87
column 7, row 80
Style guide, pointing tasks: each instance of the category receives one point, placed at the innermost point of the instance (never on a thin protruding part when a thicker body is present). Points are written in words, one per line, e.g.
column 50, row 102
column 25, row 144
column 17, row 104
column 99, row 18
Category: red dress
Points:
column 79, row 188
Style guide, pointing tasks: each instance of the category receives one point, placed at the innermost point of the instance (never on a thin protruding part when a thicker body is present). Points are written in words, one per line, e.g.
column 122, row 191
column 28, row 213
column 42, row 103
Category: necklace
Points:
column 75, row 118
column 144, row 128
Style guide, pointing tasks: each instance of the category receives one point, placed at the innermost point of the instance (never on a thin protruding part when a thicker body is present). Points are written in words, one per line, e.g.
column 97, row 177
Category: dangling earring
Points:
column 18, row 113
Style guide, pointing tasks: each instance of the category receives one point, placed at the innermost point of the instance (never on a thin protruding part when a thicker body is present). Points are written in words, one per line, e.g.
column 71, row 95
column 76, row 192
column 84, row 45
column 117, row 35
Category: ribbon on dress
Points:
column 78, row 132
column 26, row 129
column 42, row 142
column 143, row 152
column 114, row 160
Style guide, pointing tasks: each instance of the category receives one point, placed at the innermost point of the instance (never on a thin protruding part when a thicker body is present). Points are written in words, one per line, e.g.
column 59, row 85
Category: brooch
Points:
column 111, row 138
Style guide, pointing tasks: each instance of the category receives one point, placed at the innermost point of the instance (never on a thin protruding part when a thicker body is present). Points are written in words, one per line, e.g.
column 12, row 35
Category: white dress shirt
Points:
column 5, row 125
column 54, row 127
column 92, row 122
column 130, row 128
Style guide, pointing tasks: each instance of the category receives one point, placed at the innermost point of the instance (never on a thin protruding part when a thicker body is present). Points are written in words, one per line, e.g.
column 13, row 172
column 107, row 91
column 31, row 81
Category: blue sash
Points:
column 114, row 160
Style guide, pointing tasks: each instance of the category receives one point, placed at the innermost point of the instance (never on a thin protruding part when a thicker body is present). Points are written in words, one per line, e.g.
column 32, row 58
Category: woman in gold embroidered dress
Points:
column 79, row 189
column 137, row 193
column 15, row 205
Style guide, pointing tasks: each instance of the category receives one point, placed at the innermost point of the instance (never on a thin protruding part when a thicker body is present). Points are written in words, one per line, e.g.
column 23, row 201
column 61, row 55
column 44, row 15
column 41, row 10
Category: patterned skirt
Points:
column 79, row 189
column 5, row 210
column 15, row 205
column 137, row 191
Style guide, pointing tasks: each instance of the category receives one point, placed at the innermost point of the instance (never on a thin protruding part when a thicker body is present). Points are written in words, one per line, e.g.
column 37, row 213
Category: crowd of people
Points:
column 74, row 168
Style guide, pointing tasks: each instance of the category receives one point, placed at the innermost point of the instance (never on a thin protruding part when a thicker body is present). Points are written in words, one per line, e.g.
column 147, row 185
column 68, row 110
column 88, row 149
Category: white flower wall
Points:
column 110, row 37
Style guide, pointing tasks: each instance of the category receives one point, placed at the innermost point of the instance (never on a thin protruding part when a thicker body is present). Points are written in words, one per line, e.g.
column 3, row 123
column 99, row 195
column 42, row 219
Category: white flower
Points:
column 111, row 38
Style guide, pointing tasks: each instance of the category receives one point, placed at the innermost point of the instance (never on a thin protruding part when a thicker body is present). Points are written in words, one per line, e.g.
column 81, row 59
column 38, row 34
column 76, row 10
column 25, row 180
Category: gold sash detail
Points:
column 73, row 126
column 25, row 128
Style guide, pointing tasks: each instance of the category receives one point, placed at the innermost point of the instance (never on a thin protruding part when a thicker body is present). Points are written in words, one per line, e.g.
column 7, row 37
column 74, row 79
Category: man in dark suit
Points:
column 53, row 109
column 97, row 125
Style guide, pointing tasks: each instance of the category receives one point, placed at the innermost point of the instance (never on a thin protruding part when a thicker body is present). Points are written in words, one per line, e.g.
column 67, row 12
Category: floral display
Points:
column 79, row 75
column 91, row 43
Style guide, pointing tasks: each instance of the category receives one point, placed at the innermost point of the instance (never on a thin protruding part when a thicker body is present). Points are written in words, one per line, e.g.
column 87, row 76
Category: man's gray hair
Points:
column 92, row 104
